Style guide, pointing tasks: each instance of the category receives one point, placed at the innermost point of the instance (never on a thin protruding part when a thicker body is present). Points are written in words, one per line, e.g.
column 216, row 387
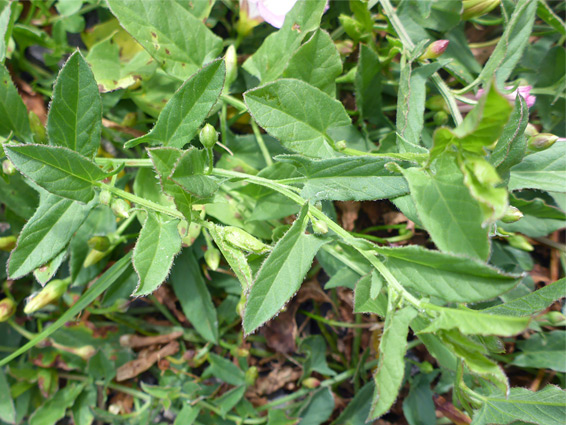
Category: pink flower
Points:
column 524, row 91
column 270, row 11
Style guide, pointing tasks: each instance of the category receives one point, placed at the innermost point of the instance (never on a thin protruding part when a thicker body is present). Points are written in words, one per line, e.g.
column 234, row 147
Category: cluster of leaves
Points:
column 121, row 187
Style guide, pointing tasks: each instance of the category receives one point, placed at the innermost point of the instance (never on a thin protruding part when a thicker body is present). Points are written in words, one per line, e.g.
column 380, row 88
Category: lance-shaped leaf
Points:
column 177, row 39
column 449, row 277
column 368, row 85
column 183, row 115
column 12, row 109
column 297, row 114
column 46, row 233
column 542, row 351
column 56, row 169
column 391, row 368
column 189, row 174
column 545, row 407
column 75, row 114
column 545, row 170
column 52, row 410
column 158, row 244
column 352, row 178
column 7, row 407
column 282, row 273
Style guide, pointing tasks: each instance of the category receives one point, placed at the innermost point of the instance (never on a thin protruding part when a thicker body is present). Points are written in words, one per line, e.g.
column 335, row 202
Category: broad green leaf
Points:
column 189, row 174
column 418, row 406
column 357, row 410
column 12, row 110
column 474, row 322
column 272, row 57
column 316, row 62
column 7, row 408
column 545, row 170
column 532, row 303
column 75, row 114
column 200, row 9
column 358, row 178
column 46, row 233
column 449, row 277
column 96, row 289
column 183, row 115
column 282, row 273
column 513, row 42
column 229, row 399
column 542, row 351
column 56, row 169
column 196, row 302
column 297, row 114
column 225, row 370
column 164, row 160
column 46, row 272
column 545, row 407
column 318, row 408
column 51, row 411
column 178, row 40
column 18, row 196
column 391, row 367
column 81, row 413
column 315, row 349
column 447, row 210
column 539, row 219
column 188, row 413
column 158, row 244
column 364, row 302
column 368, row 85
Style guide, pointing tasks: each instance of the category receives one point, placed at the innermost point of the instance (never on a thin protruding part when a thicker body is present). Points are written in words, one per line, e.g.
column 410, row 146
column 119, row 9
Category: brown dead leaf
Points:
column 349, row 210
column 121, row 403
column 311, row 290
column 136, row 341
column 540, row 274
column 165, row 296
column 449, row 411
column 145, row 360
column 34, row 102
column 276, row 379
column 281, row 332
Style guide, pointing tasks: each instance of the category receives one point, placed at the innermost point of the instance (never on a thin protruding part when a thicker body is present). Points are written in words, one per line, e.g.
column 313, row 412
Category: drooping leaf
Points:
column 158, row 244
column 46, row 233
column 183, row 115
column 162, row 28
column 58, row 170
column 75, row 114
column 189, row 174
column 282, row 273
column 545, row 170
column 542, row 351
column 12, row 109
column 297, row 114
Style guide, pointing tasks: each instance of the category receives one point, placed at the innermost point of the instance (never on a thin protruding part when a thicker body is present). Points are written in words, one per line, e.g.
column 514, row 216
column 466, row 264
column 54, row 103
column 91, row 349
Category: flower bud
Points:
column 99, row 243
column 7, row 243
column 242, row 352
column 7, row 309
column 8, row 167
column 241, row 239
column 512, row 214
column 311, row 383
column 476, row 8
column 519, row 242
column 436, row 103
column 440, row 118
column 130, row 119
column 212, row 258
column 94, row 257
column 51, row 292
column 251, row 375
column 208, row 136
column 341, row 145
column 435, row 50
column 319, row 227
column 105, row 197
column 231, row 60
column 120, row 208
column 85, row 352
column 37, row 128
column 541, row 141
column 531, row 130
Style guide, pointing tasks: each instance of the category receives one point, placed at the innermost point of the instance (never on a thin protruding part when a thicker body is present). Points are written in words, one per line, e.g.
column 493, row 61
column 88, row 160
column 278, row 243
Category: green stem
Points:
column 125, row 161
column 335, row 322
column 261, row 144
column 236, row 103
column 22, row 331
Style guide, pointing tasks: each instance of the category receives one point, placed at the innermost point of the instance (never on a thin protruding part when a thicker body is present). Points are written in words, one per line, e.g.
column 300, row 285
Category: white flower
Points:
column 270, row 11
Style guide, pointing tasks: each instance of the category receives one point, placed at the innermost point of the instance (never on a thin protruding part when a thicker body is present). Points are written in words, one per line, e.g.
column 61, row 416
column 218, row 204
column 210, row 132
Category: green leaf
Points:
column 12, row 110
column 179, row 41
column 297, row 114
column 282, row 273
column 368, row 85
column 229, row 399
column 358, row 178
column 183, row 115
column 18, row 196
column 363, row 301
column 391, row 367
column 75, row 114
column 196, row 302
column 542, row 351
column 189, row 174
column 8, row 14
column 474, row 322
column 58, row 170
column 539, row 219
column 447, row 210
column 188, row 413
column 315, row 349
column 272, row 57
column 546, row 13
column 545, row 407
column 51, row 411
column 449, row 277
column 158, row 244
column 80, row 410
column 545, row 170
column 357, row 410
column 318, row 408
column 316, row 62
column 533, row 303
column 46, row 272
column 46, row 233
column 7, row 408
column 226, row 371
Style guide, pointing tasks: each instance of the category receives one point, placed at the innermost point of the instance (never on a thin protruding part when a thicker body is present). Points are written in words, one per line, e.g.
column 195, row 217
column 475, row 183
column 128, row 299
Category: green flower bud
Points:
column 519, row 242
column 319, row 227
column 512, row 214
column 531, row 130
column 541, row 141
column 8, row 168
column 436, row 103
column 7, row 309
column 241, row 239
column 192, row 235
column 435, row 50
column 130, row 119
column 7, row 243
column 105, row 197
column 341, row 145
column 208, row 136
column 212, row 258
column 94, row 257
column 311, row 383
column 251, row 375
column 476, row 8
column 85, row 352
column 51, row 292
column 120, row 208
column 242, row 352
column 440, row 118
column 37, row 128
column 231, row 60
column 99, row 243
